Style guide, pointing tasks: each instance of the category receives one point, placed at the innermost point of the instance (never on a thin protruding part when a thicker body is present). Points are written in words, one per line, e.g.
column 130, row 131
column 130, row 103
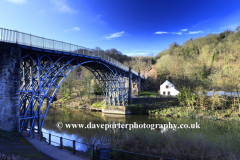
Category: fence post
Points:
column 41, row 135
column 49, row 139
column 92, row 154
column 73, row 146
column 60, row 142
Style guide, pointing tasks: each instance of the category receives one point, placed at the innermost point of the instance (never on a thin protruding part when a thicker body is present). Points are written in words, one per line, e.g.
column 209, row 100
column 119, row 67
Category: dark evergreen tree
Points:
column 204, row 72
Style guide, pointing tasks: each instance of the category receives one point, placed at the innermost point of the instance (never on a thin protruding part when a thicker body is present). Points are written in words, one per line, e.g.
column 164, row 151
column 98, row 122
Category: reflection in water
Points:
column 64, row 134
column 99, row 136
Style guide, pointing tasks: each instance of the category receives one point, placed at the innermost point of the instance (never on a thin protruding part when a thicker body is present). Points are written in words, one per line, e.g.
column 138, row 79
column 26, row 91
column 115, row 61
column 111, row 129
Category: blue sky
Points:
column 134, row 27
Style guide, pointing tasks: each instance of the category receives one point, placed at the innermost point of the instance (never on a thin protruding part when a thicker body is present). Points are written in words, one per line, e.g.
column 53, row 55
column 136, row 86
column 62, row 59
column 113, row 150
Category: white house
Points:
column 167, row 88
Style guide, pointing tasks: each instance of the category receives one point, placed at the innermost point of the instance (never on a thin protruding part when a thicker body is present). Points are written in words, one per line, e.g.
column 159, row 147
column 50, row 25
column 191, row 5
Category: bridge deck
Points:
column 40, row 43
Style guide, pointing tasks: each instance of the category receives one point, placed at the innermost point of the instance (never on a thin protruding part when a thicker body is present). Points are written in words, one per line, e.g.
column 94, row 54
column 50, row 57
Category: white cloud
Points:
column 72, row 29
column 195, row 32
column 61, row 6
column 97, row 19
column 160, row 32
column 76, row 29
column 179, row 33
column 184, row 30
column 17, row 1
column 115, row 35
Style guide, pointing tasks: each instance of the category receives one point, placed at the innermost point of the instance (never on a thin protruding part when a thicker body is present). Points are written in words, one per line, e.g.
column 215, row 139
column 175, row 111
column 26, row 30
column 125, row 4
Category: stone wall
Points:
column 10, row 58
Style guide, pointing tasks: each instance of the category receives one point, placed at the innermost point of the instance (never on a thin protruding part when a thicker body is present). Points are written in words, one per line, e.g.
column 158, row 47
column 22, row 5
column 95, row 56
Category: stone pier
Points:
column 10, row 58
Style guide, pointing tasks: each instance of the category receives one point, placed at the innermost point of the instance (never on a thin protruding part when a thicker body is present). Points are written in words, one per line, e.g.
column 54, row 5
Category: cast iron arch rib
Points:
column 39, row 83
column 46, row 63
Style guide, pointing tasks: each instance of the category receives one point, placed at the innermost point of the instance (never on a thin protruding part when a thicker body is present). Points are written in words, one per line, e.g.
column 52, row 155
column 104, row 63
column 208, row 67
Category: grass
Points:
column 98, row 104
column 149, row 93
column 86, row 154
column 137, row 108
column 181, row 145
column 13, row 144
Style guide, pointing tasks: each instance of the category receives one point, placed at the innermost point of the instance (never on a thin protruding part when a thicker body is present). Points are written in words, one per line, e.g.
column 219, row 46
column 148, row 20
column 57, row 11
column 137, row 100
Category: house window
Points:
column 167, row 86
column 164, row 92
column 168, row 92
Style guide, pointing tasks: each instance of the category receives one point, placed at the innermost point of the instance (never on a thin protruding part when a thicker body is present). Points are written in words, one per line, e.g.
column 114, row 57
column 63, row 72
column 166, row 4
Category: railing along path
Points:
column 93, row 149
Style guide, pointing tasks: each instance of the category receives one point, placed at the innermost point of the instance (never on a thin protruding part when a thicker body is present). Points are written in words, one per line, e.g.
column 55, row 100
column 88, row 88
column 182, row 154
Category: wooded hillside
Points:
column 211, row 62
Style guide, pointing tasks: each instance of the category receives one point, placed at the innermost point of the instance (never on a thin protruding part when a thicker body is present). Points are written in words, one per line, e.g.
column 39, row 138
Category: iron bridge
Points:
column 45, row 63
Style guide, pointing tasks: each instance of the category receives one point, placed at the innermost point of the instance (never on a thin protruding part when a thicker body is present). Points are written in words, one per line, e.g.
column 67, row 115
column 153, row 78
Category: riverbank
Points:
column 14, row 146
column 83, row 102
column 184, row 112
column 170, row 109
column 211, row 108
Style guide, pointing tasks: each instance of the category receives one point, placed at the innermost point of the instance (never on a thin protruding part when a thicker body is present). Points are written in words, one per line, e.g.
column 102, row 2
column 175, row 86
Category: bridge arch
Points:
column 43, row 62
column 39, row 82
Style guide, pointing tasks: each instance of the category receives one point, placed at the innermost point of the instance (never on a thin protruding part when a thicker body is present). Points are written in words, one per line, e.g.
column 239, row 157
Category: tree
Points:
column 68, row 90
column 212, row 60
column 98, row 48
column 172, row 47
column 204, row 73
column 97, row 88
column 195, row 77
column 225, row 34
column 237, row 29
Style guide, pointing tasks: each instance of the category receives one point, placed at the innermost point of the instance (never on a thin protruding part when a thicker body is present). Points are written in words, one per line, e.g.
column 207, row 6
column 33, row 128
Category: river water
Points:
column 230, row 94
column 98, row 135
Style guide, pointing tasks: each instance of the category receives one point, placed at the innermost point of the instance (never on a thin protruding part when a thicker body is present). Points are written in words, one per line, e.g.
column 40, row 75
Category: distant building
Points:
column 151, row 74
column 168, row 88
column 151, row 77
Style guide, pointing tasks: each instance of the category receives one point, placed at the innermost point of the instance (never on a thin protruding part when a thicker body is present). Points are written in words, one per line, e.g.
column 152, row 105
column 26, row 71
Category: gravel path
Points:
column 52, row 151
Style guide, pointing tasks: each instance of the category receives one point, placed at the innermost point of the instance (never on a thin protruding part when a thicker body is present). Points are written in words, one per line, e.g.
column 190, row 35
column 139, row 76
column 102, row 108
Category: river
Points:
column 98, row 135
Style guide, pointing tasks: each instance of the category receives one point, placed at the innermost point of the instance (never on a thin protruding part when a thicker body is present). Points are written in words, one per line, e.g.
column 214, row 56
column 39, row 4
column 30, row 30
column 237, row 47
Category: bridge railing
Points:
column 135, row 72
column 12, row 36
